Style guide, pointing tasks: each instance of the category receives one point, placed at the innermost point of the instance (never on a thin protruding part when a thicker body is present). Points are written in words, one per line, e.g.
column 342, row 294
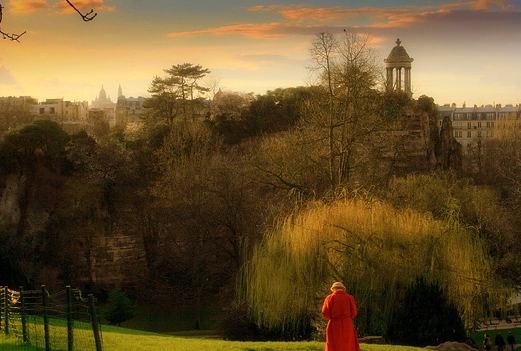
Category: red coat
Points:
column 339, row 309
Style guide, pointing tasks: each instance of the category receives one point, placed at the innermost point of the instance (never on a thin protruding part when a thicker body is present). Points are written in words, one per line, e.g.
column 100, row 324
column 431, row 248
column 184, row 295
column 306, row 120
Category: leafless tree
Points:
column 344, row 112
column 87, row 17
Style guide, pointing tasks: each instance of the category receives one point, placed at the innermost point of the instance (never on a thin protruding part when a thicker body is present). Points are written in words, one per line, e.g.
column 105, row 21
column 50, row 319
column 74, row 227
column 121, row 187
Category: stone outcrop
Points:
column 414, row 143
column 106, row 255
column 449, row 152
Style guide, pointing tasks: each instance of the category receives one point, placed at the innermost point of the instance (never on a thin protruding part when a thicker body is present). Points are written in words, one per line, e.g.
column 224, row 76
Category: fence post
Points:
column 23, row 316
column 6, row 310
column 70, row 326
column 45, row 320
column 95, row 323
column 1, row 308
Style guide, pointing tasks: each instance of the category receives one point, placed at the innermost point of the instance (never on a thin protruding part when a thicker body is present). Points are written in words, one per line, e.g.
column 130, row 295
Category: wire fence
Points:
column 38, row 320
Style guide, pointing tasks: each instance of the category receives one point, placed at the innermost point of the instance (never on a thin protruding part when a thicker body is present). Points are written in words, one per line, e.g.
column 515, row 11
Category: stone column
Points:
column 390, row 80
column 408, row 88
column 406, row 80
column 398, row 79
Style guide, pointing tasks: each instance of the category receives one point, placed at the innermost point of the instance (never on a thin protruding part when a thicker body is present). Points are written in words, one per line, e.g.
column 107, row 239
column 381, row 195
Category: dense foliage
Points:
column 266, row 197
column 375, row 250
column 424, row 317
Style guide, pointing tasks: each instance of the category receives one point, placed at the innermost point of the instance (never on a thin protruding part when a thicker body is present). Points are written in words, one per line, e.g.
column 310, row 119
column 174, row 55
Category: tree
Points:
column 344, row 110
column 178, row 93
column 39, row 143
column 339, row 117
column 120, row 308
column 87, row 17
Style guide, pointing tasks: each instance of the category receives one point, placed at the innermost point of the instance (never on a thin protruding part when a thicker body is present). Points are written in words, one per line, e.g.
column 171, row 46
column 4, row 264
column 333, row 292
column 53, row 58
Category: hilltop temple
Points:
column 398, row 66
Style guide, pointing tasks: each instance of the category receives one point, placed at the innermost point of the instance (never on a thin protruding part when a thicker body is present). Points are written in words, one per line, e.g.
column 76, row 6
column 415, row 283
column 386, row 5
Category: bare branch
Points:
column 10, row 36
column 87, row 17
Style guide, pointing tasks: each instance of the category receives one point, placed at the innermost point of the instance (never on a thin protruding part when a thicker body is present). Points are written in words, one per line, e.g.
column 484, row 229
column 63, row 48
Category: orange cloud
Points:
column 381, row 16
column 20, row 7
column 504, row 5
column 253, row 30
column 306, row 20
column 23, row 6
column 299, row 13
column 84, row 5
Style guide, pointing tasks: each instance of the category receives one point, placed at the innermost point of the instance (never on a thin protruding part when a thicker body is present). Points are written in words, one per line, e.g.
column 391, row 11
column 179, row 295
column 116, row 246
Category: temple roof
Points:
column 398, row 54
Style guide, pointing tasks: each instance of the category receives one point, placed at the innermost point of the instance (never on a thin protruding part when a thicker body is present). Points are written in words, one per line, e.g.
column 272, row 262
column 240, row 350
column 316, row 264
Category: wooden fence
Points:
column 64, row 321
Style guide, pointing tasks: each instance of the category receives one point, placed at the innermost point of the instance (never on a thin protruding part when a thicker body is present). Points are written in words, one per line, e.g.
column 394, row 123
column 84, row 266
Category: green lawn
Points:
column 477, row 336
column 121, row 339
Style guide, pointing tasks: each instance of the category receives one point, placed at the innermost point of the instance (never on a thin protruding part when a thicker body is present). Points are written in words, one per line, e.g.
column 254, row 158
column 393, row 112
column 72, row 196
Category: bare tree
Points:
column 87, row 17
column 345, row 108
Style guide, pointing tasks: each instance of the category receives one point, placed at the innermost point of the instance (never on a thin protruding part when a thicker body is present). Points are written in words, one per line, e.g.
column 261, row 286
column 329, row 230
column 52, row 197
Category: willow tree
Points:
column 377, row 251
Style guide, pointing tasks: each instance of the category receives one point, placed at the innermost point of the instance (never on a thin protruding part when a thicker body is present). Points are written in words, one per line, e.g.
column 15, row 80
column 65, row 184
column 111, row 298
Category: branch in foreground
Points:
column 5, row 35
column 89, row 16
column 13, row 37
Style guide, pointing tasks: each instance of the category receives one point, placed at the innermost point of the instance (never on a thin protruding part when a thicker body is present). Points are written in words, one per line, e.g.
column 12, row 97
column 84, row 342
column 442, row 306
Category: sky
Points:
column 464, row 50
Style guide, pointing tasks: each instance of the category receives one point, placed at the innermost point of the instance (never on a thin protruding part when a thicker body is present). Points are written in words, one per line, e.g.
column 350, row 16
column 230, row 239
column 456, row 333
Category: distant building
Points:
column 51, row 109
column 102, row 101
column 59, row 110
column 75, row 111
column 129, row 110
column 13, row 104
column 472, row 125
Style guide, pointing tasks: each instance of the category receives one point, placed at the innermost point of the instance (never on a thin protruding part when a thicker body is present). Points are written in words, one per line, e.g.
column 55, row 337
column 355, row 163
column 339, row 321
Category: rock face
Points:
column 9, row 207
column 89, row 252
column 115, row 260
column 449, row 152
column 414, row 143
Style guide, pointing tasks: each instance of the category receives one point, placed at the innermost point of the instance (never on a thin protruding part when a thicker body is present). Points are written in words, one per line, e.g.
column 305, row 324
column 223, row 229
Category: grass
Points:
column 122, row 339
column 161, row 319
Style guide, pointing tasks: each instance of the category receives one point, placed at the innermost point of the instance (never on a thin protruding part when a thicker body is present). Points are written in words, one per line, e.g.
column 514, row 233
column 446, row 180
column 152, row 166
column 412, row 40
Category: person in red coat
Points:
column 339, row 309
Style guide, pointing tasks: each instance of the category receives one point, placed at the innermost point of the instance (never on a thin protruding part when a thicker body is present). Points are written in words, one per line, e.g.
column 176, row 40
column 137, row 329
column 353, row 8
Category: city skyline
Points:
column 464, row 51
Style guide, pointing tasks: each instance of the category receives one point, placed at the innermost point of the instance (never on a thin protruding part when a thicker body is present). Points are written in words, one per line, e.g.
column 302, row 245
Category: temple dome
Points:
column 102, row 94
column 398, row 54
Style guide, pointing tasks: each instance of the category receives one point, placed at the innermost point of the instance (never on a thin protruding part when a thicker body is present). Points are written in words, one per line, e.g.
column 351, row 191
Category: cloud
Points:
column 504, row 5
column 6, row 78
column 30, row 6
column 21, row 7
column 306, row 20
column 84, row 5
column 252, row 30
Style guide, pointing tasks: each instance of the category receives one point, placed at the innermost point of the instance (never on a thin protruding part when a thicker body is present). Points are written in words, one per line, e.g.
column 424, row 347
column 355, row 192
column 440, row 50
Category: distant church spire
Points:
column 120, row 91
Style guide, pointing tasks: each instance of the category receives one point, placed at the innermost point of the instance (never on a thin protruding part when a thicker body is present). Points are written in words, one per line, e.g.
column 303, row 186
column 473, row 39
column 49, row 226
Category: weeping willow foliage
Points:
column 377, row 251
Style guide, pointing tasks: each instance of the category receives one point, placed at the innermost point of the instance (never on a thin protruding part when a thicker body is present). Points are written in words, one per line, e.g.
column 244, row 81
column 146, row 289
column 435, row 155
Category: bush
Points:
column 120, row 308
column 425, row 317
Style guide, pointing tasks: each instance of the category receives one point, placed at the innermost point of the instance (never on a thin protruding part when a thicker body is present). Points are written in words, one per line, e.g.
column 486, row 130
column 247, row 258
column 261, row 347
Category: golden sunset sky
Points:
column 464, row 51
